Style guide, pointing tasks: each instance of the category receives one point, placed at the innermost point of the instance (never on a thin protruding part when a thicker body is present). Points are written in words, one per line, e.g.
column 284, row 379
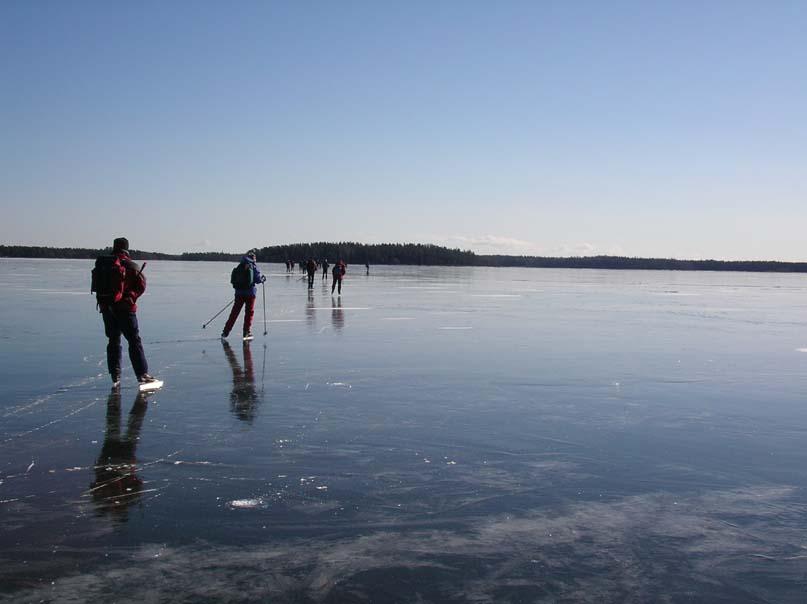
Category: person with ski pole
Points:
column 244, row 277
column 118, row 282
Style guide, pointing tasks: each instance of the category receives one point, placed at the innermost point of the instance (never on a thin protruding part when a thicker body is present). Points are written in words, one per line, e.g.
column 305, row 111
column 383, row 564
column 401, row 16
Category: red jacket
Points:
column 134, row 285
column 339, row 269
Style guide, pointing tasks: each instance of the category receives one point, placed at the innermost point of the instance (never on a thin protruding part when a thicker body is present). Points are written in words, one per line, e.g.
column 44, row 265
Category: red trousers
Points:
column 248, row 302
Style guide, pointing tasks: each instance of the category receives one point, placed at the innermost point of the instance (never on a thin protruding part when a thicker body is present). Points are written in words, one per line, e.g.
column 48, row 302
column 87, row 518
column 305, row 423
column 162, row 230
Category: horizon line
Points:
column 456, row 249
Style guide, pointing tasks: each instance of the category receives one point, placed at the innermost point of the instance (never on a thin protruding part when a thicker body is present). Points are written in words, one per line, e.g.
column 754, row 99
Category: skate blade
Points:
column 151, row 386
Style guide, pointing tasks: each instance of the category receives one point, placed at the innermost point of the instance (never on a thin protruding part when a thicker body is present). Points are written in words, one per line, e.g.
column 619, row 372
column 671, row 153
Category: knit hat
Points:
column 120, row 244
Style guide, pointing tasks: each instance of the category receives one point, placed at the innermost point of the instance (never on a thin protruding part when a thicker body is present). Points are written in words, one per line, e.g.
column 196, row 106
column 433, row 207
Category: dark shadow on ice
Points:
column 337, row 314
column 244, row 395
column 117, row 485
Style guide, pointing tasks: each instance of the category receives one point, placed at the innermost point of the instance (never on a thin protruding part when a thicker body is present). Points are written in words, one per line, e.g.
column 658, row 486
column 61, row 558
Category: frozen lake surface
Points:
column 432, row 435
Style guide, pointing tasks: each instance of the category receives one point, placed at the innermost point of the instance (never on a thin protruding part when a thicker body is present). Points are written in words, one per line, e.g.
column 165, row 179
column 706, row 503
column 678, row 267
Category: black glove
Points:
column 263, row 278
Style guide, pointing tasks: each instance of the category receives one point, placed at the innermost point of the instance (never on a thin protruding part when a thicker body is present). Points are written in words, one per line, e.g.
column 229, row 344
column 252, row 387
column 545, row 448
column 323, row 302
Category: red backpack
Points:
column 108, row 280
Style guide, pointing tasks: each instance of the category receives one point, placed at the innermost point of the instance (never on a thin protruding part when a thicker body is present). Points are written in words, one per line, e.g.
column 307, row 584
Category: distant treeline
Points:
column 666, row 264
column 26, row 251
column 360, row 253
column 419, row 254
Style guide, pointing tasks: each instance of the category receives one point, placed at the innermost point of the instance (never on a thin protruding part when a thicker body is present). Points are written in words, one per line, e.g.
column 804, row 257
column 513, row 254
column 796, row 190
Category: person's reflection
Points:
column 337, row 314
column 244, row 395
column 310, row 311
column 117, row 485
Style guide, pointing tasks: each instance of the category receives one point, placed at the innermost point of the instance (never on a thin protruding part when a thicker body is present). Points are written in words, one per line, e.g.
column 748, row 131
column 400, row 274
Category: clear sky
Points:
column 672, row 129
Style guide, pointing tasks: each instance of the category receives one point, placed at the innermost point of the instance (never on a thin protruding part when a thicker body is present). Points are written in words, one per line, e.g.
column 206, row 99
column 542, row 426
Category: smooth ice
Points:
column 431, row 435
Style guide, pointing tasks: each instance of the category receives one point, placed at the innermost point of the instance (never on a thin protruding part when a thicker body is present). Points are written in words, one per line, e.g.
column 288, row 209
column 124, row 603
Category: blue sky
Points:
column 672, row 129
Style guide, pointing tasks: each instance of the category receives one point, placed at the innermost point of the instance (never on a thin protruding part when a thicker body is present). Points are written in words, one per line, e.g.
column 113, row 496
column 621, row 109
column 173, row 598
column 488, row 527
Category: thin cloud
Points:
column 491, row 244
column 512, row 246
column 205, row 244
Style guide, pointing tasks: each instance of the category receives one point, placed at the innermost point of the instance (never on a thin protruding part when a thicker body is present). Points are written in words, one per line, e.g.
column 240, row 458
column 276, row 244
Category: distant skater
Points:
column 367, row 266
column 244, row 278
column 325, row 269
column 118, row 282
column 339, row 270
column 311, row 267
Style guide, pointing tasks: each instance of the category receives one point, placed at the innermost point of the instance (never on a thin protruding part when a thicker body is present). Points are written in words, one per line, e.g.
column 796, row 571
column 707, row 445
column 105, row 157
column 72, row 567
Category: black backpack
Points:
column 108, row 280
column 241, row 277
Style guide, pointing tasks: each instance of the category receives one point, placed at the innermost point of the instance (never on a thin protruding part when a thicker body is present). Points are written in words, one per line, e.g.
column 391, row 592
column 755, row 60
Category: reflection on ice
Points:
column 117, row 485
column 244, row 397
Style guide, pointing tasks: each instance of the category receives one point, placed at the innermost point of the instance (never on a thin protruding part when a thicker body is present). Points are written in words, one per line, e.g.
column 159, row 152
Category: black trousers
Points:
column 115, row 324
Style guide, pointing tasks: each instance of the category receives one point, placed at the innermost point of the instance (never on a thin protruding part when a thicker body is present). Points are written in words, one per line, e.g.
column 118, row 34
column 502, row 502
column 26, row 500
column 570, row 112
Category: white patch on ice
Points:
column 801, row 349
column 341, row 384
column 245, row 504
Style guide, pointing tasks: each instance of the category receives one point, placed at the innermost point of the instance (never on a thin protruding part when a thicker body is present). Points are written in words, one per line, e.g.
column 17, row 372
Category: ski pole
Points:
column 263, row 371
column 218, row 313
column 263, row 289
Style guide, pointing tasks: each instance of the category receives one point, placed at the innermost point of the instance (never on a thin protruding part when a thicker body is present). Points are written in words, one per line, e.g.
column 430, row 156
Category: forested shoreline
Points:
column 418, row 255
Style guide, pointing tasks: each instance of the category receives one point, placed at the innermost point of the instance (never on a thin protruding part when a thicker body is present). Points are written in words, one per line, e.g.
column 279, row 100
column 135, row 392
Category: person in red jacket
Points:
column 339, row 270
column 120, row 318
